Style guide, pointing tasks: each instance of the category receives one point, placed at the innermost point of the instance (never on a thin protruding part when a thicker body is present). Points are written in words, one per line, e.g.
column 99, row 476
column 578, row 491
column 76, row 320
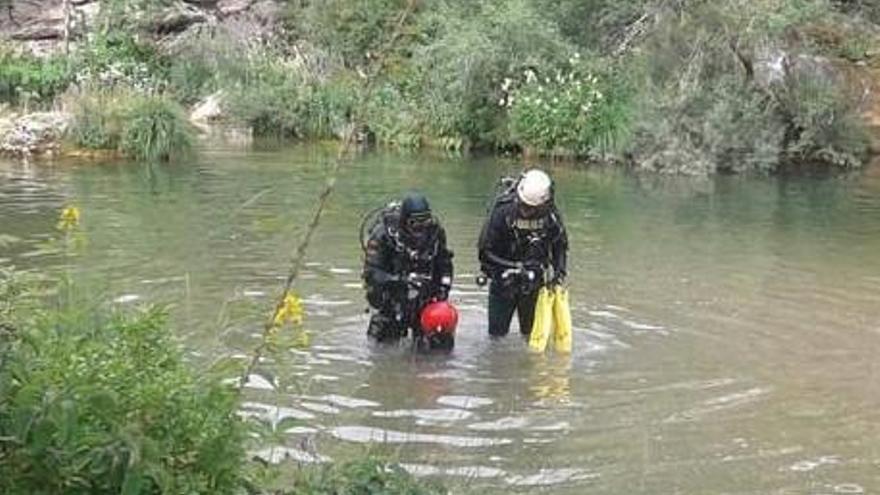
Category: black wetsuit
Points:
column 520, row 255
column 403, row 272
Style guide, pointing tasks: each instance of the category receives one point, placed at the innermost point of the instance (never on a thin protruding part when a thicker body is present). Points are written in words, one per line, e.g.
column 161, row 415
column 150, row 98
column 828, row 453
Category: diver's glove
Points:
column 445, row 287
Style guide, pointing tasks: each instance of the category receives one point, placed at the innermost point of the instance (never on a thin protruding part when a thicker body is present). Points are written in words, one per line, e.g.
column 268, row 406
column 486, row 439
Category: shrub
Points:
column 823, row 125
column 155, row 129
column 276, row 98
column 25, row 77
column 572, row 111
column 471, row 50
column 393, row 118
column 97, row 120
column 95, row 402
column 142, row 127
column 190, row 79
column 349, row 29
column 118, row 58
column 704, row 109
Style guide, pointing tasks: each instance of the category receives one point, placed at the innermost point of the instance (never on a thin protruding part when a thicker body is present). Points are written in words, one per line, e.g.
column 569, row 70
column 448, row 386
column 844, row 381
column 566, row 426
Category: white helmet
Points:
column 534, row 188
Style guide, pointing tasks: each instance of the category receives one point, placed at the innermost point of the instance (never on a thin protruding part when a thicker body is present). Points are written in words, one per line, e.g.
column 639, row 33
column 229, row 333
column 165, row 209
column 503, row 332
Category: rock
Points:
column 39, row 32
column 774, row 66
column 43, row 28
column 34, row 134
column 44, row 24
column 205, row 4
column 232, row 7
column 176, row 18
column 266, row 11
column 208, row 110
column 226, row 136
column 769, row 67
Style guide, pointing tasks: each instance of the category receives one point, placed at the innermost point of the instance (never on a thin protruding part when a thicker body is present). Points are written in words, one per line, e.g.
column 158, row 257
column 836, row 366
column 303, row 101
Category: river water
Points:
column 726, row 330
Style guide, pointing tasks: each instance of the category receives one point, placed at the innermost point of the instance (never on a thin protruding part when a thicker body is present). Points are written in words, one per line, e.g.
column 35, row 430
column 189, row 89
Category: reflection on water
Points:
column 725, row 330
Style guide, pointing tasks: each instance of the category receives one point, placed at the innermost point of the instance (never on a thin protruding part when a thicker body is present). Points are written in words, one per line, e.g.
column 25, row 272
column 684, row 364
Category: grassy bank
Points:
column 94, row 400
column 702, row 87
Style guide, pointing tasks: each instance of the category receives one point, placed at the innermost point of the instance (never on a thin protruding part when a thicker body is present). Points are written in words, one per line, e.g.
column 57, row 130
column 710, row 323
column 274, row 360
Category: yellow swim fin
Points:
column 561, row 319
column 543, row 324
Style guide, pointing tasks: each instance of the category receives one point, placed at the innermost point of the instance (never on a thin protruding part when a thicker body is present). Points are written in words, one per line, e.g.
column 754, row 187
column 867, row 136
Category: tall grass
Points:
column 155, row 129
column 142, row 127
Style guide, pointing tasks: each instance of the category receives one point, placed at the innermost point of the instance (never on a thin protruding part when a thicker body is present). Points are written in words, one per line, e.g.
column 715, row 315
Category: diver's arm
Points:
column 559, row 248
column 443, row 268
column 377, row 263
column 491, row 243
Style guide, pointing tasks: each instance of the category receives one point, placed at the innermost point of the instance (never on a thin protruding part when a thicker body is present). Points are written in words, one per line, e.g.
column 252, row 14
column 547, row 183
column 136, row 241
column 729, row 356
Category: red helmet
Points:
column 439, row 317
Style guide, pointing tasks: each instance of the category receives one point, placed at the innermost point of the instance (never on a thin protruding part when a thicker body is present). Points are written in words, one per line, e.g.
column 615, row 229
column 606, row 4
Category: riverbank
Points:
column 684, row 89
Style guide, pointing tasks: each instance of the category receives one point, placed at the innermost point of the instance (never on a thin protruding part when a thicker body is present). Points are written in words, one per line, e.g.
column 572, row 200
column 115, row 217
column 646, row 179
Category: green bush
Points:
column 155, row 128
column 97, row 120
column 351, row 30
column 463, row 67
column 277, row 99
column 393, row 118
column 823, row 125
column 703, row 108
column 100, row 403
column 142, row 127
column 472, row 48
column 26, row 77
column 190, row 79
column 201, row 65
column 118, row 58
column 573, row 111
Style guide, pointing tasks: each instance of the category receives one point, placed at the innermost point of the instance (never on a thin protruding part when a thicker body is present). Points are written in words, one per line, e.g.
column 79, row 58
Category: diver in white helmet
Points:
column 523, row 245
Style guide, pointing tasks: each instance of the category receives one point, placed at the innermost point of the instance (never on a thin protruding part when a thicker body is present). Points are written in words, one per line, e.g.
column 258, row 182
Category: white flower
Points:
column 530, row 75
column 501, row 102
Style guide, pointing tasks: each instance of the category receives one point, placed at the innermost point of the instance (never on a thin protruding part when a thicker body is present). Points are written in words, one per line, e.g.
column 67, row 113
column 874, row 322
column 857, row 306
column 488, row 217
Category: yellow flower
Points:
column 69, row 218
column 291, row 310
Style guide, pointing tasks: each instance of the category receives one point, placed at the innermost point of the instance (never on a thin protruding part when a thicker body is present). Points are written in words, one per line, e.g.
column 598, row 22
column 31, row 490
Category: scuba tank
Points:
column 373, row 218
column 505, row 191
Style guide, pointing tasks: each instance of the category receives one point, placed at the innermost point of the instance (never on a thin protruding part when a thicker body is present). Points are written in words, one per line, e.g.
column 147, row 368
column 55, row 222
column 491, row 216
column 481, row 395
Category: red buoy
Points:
column 439, row 317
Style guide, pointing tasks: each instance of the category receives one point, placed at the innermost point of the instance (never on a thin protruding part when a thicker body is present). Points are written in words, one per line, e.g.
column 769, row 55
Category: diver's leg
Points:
column 501, row 308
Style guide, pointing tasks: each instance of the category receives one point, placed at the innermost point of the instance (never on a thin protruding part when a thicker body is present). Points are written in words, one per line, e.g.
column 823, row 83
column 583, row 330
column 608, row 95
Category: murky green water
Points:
column 726, row 330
